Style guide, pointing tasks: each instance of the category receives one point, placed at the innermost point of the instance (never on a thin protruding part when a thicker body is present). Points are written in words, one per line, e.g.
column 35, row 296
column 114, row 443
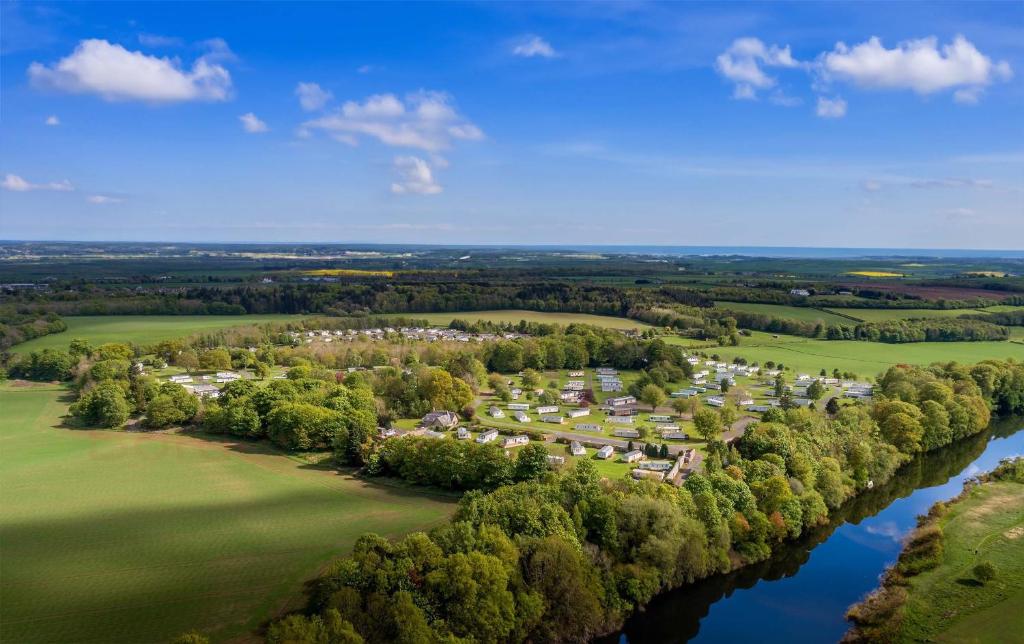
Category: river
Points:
column 802, row 593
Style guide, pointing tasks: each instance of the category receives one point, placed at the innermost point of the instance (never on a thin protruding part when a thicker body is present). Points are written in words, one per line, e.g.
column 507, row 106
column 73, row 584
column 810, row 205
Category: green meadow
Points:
column 802, row 313
column 808, row 355
column 947, row 604
column 141, row 329
column 884, row 315
column 136, row 537
column 513, row 316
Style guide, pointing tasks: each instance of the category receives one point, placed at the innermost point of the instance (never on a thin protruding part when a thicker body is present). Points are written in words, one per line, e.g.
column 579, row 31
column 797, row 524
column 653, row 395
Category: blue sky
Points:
column 861, row 124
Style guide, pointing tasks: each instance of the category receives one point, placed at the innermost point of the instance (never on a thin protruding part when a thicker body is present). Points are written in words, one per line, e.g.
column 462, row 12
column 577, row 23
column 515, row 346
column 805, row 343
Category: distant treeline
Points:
column 18, row 327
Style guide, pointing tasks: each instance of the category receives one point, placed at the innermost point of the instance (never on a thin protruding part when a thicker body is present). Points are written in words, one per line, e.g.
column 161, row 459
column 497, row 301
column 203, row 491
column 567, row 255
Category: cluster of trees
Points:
column 458, row 465
column 16, row 327
column 45, row 365
column 566, row 556
column 930, row 330
column 581, row 346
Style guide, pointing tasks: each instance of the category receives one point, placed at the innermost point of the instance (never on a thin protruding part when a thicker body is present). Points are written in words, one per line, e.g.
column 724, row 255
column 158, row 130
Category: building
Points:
column 658, row 466
column 495, row 412
column 578, row 413
column 606, row 371
column 587, row 427
column 520, row 416
column 487, row 436
column 675, row 436
column 206, row 391
column 552, row 418
column 640, row 473
column 548, row 409
column 632, row 457
column 621, row 401
column 576, row 449
column 519, row 406
column 715, row 401
column 556, row 460
column 442, row 419
column 605, row 452
column 621, row 420
column 515, row 441
column 658, row 418
column 462, row 433
column 800, row 292
column 626, row 433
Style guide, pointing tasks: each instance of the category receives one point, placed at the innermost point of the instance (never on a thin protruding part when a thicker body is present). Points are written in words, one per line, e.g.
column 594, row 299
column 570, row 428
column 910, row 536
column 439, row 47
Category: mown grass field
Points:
column 947, row 604
column 883, row 315
column 802, row 313
column 806, row 355
column 141, row 329
column 132, row 537
column 513, row 316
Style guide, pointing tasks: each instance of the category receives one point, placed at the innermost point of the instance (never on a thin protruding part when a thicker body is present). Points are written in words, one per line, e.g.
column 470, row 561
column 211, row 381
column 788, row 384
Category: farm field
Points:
column 946, row 604
column 863, row 358
column 133, row 537
column 514, row 315
column 802, row 313
column 882, row 315
column 141, row 329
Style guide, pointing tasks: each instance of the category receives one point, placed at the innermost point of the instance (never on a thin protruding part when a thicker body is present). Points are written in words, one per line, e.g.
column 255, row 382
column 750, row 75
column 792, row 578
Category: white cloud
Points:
column 424, row 121
column 103, row 199
column 52, row 120
column 870, row 185
column 744, row 61
column 15, row 183
column 532, row 46
column 158, row 41
column 415, row 177
column 252, row 124
column 312, row 97
column 831, row 108
column 918, row 65
column 116, row 74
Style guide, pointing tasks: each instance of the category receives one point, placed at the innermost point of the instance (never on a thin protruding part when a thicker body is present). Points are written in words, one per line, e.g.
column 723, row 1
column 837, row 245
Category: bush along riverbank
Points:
column 960, row 570
column 566, row 556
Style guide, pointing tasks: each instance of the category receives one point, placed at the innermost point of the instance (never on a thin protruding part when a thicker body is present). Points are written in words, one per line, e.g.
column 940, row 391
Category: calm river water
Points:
column 801, row 594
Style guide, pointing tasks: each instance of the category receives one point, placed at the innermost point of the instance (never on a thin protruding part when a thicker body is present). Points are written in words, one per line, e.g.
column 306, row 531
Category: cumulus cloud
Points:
column 117, row 74
column 532, row 46
column 312, row 97
column 252, row 124
column 831, row 108
column 424, row 120
column 918, row 65
column 744, row 64
column 103, row 199
column 52, row 120
column 14, row 183
column 415, row 177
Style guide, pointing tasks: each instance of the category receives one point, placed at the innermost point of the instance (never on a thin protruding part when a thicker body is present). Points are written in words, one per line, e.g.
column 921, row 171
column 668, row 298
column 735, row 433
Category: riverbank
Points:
column 960, row 576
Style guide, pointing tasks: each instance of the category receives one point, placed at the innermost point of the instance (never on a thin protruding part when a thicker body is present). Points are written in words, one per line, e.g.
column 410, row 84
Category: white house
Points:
column 621, row 420
column 576, row 449
column 587, row 427
column 515, row 441
column 799, row 292
column 556, row 460
column 632, row 457
column 519, row 406
column 659, row 418
column 552, row 418
column 715, row 401
column 626, row 433
column 578, row 413
column 640, row 473
column 487, row 436
column 605, row 452
column 621, row 401
column 206, row 391
column 495, row 412
column 547, row 409
column 462, row 433
column 442, row 419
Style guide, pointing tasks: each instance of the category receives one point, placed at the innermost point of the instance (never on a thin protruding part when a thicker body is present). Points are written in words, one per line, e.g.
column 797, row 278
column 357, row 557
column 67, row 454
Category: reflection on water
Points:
column 801, row 593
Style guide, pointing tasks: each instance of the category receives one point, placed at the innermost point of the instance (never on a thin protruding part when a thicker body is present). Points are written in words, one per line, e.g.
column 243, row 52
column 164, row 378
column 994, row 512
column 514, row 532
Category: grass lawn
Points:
column 884, row 315
column 802, row 313
column 806, row 355
column 133, row 537
column 141, row 329
column 512, row 315
column 946, row 604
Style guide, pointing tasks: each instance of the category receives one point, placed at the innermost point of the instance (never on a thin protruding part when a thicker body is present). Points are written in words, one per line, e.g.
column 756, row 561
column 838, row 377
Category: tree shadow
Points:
column 970, row 583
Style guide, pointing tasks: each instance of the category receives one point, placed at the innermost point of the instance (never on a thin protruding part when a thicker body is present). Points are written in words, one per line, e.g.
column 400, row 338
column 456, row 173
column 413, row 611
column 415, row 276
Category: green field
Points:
column 884, row 315
column 806, row 355
column 513, row 315
column 801, row 313
column 134, row 537
column 946, row 604
column 141, row 329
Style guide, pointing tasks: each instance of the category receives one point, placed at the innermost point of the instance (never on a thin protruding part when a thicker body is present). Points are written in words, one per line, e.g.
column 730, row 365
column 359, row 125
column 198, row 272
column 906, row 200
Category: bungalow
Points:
column 605, row 452
column 715, row 401
column 611, row 386
column 626, row 433
column 659, row 466
column 575, row 374
column 587, row 427
column 621, row 400
column 574, row 385
column 675, row 436
column 552, row 418
column 442, row 419
column 515, row 441
column 632, row 457
column 228, row 375
column 684, row 393
column 520, row 416
column 659, row 418
column 639, row 474
column 495, row 412
column 621, row 420
column 570, row 396
column 578, row 413
column 181, row 380
column 758, row 408
column 746, row 402
column 519, row 406
column 576, row 449
column 548, row 409
column 462, row 433
column 556, row 460
column 669, row 427
column 487, row 436
column 206, row 391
